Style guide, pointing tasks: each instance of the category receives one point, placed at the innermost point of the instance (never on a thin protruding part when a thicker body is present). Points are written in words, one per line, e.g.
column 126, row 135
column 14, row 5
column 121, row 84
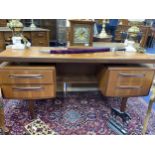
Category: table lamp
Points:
column 103, row 33
column 134, row 36
column 17, row 29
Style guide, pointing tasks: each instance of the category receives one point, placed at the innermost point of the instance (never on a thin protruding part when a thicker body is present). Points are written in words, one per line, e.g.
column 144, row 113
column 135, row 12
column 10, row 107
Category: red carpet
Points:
column 78, row 113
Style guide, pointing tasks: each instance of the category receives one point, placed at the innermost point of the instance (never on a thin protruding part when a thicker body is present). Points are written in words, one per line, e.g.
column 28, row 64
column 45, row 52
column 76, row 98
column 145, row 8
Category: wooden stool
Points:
column 146, row 120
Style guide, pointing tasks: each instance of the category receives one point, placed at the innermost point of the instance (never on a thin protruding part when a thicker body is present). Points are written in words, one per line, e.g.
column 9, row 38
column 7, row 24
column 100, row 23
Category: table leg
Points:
column 146, row 120
column 31, row 108
column 118, row 126
column 123, row 104
column 122, row 111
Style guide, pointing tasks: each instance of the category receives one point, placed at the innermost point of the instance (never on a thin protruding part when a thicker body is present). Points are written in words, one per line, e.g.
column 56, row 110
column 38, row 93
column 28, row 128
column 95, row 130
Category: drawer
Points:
column 39, row 42
column 3, row 22
column 36, row 35
column 28, row 75
column 1, row 37
column 28, row 91
column 2, row 47
column 126, row 81
column 8, row 35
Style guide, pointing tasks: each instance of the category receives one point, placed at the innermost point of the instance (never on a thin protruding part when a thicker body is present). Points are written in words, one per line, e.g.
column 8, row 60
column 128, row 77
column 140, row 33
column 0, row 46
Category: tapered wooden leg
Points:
column 123, row 104
column 31, row 108
column 146, row 120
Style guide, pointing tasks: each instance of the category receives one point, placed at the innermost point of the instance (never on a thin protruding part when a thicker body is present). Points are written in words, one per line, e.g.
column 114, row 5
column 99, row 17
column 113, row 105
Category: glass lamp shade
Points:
column 17, row 31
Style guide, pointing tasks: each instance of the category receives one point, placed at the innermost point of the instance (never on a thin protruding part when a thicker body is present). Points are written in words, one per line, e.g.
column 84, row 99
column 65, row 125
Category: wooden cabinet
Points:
column 37, row 36
column 3, row 22
column 51, row 25
column 126, row 81
column 40, row 39
column 28, row 82
column 146, row 32
column 2, row 42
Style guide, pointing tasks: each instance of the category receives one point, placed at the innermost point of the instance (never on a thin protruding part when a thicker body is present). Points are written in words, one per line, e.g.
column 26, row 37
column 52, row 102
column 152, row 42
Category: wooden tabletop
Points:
column 33, row 54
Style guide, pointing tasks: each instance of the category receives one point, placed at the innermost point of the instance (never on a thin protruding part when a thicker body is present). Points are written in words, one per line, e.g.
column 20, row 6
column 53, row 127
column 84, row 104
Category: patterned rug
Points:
column 77, row 114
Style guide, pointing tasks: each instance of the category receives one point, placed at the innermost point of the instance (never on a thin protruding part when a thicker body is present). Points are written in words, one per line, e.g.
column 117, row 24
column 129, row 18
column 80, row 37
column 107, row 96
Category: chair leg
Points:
column 31, row 108
column 146, row 120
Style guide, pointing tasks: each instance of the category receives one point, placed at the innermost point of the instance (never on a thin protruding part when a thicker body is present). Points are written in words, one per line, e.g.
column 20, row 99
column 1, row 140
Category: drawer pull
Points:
column 132, row 75
column 28, row 88
column 40, row 35
column 22, row 76
column 129, row 87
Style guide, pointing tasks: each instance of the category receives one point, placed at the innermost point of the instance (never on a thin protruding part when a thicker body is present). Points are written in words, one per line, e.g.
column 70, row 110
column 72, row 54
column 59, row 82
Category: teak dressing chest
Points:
column 32, row 74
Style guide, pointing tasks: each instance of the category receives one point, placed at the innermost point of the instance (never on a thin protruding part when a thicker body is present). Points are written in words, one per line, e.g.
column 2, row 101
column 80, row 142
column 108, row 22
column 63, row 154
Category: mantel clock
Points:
column 81, row 32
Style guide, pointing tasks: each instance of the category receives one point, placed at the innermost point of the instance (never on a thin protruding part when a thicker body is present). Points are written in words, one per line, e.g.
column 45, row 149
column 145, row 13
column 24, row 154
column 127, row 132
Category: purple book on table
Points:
column 80, row 51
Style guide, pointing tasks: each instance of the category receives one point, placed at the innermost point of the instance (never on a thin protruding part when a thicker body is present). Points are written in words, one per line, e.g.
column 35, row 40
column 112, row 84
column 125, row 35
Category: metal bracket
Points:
column 118, row 127
column 123, row 115
column 65, row 86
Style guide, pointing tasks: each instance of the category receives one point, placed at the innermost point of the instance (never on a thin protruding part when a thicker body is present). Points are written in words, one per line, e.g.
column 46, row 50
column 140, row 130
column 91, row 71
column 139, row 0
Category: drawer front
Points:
column 3, row 22
column 130, row 78
column 1, row 36
column 28, row 91
column 28, row 76
column 8, row 35
column 127, row 82
column 2, row 45
column 39, row 42
column 40, row 39
column 39, row 35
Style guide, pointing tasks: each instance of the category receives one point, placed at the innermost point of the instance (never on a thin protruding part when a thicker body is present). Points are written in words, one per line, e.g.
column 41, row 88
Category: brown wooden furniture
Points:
column 146, row 32
column 80, row 69
column 37, row 36
column 3, row 22
column 51, row 25
column 124, row 21
column 126, row 81
column 28, row 83
column 106, row 39
column 34, row 54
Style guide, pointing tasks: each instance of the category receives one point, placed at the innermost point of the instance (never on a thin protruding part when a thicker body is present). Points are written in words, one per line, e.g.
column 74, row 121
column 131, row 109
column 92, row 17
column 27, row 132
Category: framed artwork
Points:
column 81, row 32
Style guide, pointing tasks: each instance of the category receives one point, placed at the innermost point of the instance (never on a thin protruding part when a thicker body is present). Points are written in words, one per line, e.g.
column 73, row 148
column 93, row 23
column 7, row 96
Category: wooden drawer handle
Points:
column 22, row 76
column 40, row 35
column 41, row 42
column 129, row 87
column 27, row 88
column 132, row 75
